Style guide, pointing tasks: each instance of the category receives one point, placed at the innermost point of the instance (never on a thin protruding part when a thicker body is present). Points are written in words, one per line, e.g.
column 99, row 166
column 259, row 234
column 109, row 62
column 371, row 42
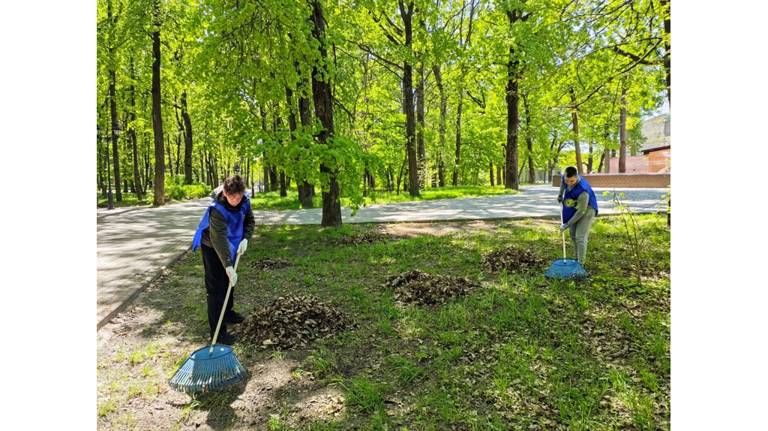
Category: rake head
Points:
column 565, row 269
column 207, row 370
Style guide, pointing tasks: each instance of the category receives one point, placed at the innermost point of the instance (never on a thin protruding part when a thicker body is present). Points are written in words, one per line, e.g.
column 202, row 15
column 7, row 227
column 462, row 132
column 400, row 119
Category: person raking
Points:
column 579, row 209
column 223, row 232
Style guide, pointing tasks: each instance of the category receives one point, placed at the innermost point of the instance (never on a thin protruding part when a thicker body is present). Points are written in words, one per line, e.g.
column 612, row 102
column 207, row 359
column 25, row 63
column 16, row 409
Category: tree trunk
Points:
column 442, row 124
column 512, row 180
column 422, row 151
column 457, row 154
column 283, row 189
column 132, row 136
column 410, row 117
column 113, row 103
column 148, row 173
column 102, row 187
column 187, row 139
column 115, row 127
column 575, row 123
column 400, row 174
column 589, row 159
column 157, row 115
column 529, row 141
column 321, row 93
column 306, row 190
column 179, row 136
column 623, row 132
column 600, row 165
column 490, row 167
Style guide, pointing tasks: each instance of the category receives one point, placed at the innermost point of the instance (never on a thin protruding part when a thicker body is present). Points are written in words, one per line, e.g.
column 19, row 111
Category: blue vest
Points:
column 234, row 220
column 578, row 188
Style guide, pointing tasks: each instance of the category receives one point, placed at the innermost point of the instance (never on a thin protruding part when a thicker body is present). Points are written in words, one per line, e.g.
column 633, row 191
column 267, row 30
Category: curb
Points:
column 123, row 305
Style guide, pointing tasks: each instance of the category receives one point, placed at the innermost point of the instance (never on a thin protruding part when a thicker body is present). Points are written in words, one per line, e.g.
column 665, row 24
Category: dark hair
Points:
column 234, row 184
column 570, row 171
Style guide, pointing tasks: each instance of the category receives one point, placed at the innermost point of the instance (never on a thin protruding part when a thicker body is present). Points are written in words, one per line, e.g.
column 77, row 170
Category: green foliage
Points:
column 240, row 70
column 177, row 190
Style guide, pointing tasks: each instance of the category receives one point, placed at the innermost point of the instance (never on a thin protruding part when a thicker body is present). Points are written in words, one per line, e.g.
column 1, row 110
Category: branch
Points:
column 480, row 103
column 620, row 51
column 344, row 108
column 383, row 61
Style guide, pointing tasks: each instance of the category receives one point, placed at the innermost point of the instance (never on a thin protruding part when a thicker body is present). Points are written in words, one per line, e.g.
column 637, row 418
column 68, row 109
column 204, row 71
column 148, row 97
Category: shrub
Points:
column 177, row 190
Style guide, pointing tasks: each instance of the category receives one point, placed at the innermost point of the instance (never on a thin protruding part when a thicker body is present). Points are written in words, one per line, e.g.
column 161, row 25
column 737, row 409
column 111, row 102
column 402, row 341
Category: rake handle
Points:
column 224, row 307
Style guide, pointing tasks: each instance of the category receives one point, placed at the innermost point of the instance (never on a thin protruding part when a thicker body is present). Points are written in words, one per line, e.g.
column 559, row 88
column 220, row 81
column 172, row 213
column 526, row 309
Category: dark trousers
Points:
column 216, row 284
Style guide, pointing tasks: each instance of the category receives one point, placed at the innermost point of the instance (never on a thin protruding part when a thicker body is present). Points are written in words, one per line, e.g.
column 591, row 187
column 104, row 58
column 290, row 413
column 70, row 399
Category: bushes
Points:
column 176, row 189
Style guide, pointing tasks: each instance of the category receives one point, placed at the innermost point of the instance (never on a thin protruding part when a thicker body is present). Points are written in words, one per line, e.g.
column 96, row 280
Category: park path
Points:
column 134, row 245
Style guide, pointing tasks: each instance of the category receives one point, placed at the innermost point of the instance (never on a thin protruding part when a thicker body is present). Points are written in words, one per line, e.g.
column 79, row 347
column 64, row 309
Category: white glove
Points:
column 243, row 245
column 231, row 274
column 563, row 227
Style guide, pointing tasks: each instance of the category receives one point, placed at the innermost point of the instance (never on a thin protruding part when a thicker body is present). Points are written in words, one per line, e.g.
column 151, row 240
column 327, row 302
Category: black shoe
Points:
column 227, row 339
column 233, row 318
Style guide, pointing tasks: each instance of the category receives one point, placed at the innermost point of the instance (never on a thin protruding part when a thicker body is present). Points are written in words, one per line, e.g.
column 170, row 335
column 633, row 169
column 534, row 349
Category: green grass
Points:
column 273, row 201
column 129, row 200
column 520, row 352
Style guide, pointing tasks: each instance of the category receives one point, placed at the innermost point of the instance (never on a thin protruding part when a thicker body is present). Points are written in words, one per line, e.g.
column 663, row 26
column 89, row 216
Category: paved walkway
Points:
column 134, row 245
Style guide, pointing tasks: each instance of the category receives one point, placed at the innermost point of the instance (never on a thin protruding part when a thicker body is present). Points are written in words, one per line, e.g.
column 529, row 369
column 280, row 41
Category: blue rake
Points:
column 565, row 269
column 213, row 367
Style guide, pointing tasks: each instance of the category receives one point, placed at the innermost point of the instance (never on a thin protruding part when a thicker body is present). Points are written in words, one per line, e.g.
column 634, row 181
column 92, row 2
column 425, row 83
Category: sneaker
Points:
column 226, row 339
column 233, row 318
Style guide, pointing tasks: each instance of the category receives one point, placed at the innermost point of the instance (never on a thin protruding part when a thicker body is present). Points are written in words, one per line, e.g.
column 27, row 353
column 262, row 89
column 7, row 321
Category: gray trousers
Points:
column 580, row 234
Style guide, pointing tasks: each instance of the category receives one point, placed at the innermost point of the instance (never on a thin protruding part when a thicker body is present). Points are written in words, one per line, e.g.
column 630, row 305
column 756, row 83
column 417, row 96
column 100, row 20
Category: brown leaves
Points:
column 268, row 264
column 293, row 321
column 367, row 237
column 422, row 288
column 512, row 259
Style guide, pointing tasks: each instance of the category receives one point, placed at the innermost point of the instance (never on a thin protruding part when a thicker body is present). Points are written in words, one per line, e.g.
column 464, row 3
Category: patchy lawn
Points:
column 517, row 352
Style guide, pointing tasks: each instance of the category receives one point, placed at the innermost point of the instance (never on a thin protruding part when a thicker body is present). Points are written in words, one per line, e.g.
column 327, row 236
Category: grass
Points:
column 273, row 201
column 521, row 352
column 129, row 200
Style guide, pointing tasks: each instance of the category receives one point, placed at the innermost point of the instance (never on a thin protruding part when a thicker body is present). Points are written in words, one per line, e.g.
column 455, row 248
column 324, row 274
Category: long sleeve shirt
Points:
column 582, row 202
column 216, row 234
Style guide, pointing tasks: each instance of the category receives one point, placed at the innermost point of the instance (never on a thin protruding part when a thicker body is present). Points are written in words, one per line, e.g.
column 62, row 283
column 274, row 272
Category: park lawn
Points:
column 273, row 201
column 520, row 352
column 129, row 200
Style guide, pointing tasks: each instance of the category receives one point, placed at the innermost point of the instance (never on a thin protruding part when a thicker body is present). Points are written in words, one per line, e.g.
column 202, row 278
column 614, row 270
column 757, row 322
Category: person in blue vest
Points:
column 223, row 232
column 579, row 209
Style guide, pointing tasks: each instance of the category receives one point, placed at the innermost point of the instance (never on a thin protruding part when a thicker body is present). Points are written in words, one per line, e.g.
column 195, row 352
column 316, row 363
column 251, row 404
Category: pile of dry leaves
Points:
column 292, row 321
column 512, row 259
column 422, row 288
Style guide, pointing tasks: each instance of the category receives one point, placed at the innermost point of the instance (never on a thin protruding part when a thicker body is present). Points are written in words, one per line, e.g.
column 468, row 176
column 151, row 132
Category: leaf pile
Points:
column 426, row 289
column 268, row 264
column 292, row 321
column 367, row 237
column 512, row 259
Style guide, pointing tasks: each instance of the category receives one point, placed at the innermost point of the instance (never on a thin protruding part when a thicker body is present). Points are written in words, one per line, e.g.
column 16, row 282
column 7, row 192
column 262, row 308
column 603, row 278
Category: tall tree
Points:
column 514, row 75
column 113, row 100
column 157, row 111
column 321, row 92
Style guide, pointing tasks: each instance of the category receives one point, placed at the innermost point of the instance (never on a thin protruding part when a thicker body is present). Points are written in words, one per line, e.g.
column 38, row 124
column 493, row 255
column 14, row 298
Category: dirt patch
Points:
column 324, row 404
column 268, row 264
column 409, row 230
column 292, row 321
column 512, row 259
column 427, row 289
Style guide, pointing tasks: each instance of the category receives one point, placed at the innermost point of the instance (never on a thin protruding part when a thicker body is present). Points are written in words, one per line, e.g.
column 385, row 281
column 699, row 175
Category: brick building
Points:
column 656, row 152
